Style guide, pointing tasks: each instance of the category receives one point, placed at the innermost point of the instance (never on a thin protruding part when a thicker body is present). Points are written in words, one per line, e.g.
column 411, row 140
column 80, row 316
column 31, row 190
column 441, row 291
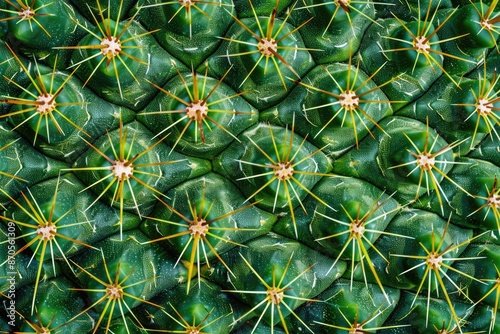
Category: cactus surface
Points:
column 249, row 166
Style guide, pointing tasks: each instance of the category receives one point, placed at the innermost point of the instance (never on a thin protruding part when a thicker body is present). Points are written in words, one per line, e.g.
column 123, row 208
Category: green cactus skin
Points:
column 341, row 303
column 51, row 25
column 192, row 34
column 199, row 125
column 55, row 292
column 333, row 29
column 334, row 113
column 206, row 309
column 276, row 280
column 249, row 166
column 262, row 52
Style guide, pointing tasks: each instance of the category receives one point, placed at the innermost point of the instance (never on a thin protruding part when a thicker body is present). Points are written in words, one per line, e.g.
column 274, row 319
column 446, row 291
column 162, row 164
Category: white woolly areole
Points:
column 122, row 170
column 486, row 25
column 114, row 291
column 275, row 295
column 112, row 47
column 494, row 200
column 45, row 103
column 199, row 228
column 426, row 161
column 197, row 111
column 483, row 106
column 26, row 13
column 421, row 44
column 357, row 228
column 343, row 3
column 349, row 100
column 434, row 260
column 267, row 46
column 46, row 232
column 284, row 171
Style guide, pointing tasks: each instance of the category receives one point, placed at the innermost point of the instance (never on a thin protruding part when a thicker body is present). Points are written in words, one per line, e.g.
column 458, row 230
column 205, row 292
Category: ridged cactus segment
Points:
column 51, row 109
column 113, row 299
column 48, row 227
column 340, row 310
column 341, row 23
column 56, row 305
column 482, row 262
column 412, row 222
column 488, row 19
column 470, row 115
column 264, row 53
column 340, row 105
column 416, row 44
column 316, row 220
column 409, row 158
column 129, row 170
column 207, row 218
column 412, row 49
column 202, row 114
column 114, row 54
column 61, row 215
column 38, row 25
column 480, row 21
column 428, row 316
column 250, row 166
column 20, row 159
column 432, row 260
column 484, row 106
column 411, row 43
column 275, row 167
column 372, row 51
column 22, row 17
column 472, row 22
column 276, row 279
column 363, row 213
column 189, row 29
column 423, row 264
column 478, row 211
column 123, row 275
column 430, row 158
column 43, row 107
column 205, row 311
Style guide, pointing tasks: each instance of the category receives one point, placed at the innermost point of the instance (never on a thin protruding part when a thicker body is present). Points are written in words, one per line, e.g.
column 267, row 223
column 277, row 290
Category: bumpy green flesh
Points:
column 250, row 166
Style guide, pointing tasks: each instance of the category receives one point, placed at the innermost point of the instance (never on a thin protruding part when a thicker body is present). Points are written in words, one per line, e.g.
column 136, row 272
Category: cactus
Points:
column 249, row 166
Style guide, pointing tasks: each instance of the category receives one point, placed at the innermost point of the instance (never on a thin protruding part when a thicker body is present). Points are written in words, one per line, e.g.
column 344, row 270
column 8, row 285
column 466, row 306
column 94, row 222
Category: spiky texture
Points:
column 249, row 166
